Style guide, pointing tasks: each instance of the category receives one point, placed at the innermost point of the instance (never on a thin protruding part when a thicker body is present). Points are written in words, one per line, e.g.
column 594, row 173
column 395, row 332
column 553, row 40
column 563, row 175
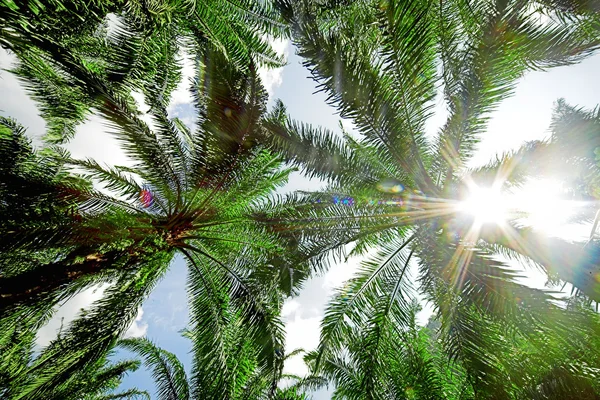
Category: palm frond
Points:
column 353, row 304
column 318, row 152
column 167, row 371
column 83, row 342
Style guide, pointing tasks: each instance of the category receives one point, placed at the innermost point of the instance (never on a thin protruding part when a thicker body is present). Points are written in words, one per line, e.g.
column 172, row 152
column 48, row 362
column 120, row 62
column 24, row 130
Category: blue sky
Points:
column 526, row 116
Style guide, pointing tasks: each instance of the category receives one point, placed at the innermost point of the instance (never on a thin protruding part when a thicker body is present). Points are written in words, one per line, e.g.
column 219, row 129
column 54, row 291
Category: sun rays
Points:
column 544, row 206
column 541, row 204
column 489, row 213
column 485, row 205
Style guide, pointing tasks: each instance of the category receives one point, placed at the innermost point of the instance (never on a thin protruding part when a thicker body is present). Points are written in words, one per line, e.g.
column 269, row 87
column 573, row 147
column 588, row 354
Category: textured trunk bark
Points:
column 27, row 286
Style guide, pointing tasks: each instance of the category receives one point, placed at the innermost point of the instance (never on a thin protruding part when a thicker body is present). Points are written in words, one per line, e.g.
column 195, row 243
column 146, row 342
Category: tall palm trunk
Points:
column 27, row 286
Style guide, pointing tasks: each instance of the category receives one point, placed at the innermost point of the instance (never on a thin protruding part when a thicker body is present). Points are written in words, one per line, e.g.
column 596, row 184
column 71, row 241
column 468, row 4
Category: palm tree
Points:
column 196, row 194
column 97, row 381
column 411, row 364
column 240, row 377
column 569, row 157
column 380, row 64
column 135, row 45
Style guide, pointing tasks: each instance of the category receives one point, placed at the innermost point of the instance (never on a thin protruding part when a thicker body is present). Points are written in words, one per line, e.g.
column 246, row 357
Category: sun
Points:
column 485, row 204
column 541, row 204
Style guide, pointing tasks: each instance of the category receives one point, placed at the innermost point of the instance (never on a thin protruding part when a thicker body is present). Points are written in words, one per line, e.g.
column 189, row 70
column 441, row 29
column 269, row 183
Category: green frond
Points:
column 221, row 294
column 94, row 332
column 570, row 262
column 167, row 371
column 361, row 82
column 353, row 304
column 320, row 153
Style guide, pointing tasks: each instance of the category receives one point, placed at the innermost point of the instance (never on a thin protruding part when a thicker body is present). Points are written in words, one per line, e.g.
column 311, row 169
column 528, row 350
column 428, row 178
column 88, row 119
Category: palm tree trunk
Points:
column 25, row 287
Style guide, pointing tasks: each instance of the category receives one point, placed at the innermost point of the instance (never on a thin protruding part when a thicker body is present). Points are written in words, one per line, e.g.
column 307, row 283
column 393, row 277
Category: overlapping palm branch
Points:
column 390, row 361
column 197, row 193
column 97, row 381
column 380, row 63
column 134, row 45
column 234, row 374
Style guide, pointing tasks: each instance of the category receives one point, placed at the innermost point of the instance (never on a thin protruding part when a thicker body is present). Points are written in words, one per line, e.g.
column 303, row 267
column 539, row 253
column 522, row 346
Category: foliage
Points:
column 205, row 192
column 380, row 64
column 132, row 45
column 382, row 360
column 206, row 189
column 97, row 381
column 239, row 378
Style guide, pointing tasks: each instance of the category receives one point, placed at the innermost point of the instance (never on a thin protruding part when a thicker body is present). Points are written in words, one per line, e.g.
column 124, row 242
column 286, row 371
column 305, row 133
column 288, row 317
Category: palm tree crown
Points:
column 380, row 64
column 197, row 194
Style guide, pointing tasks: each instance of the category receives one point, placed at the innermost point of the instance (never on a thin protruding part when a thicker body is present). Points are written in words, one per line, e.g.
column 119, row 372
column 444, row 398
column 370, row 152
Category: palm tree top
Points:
column 207, row 187
column 380, row 64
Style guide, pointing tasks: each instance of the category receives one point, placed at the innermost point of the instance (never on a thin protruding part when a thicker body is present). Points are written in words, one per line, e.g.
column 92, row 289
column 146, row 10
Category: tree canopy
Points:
column 207, row 192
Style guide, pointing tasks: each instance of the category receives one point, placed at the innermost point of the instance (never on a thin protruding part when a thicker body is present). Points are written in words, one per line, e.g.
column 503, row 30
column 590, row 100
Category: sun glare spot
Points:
column 544, row 205
column 486, row 205
column 540, row 204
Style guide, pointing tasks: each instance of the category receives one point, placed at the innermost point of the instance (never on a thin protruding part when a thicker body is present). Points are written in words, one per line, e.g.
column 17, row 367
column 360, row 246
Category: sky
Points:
column 523, row 117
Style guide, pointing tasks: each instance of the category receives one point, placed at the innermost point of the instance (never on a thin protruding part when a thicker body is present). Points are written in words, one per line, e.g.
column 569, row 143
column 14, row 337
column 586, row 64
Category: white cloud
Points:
column 339, row 273
column 303, row 313
column 182, row 94
column 299, row 181
column 137, row 328
column 301, row 333
column 289, row 307
column 67, row 312
column 16, row 103
column 272, row 78
column 92, row 140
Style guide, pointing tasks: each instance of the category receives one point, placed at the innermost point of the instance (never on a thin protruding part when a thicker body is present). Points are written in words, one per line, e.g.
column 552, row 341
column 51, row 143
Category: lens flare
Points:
column 146, row 197
column 544, row 205
column 485, row 204
column 540, row 204
column 390, row 186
